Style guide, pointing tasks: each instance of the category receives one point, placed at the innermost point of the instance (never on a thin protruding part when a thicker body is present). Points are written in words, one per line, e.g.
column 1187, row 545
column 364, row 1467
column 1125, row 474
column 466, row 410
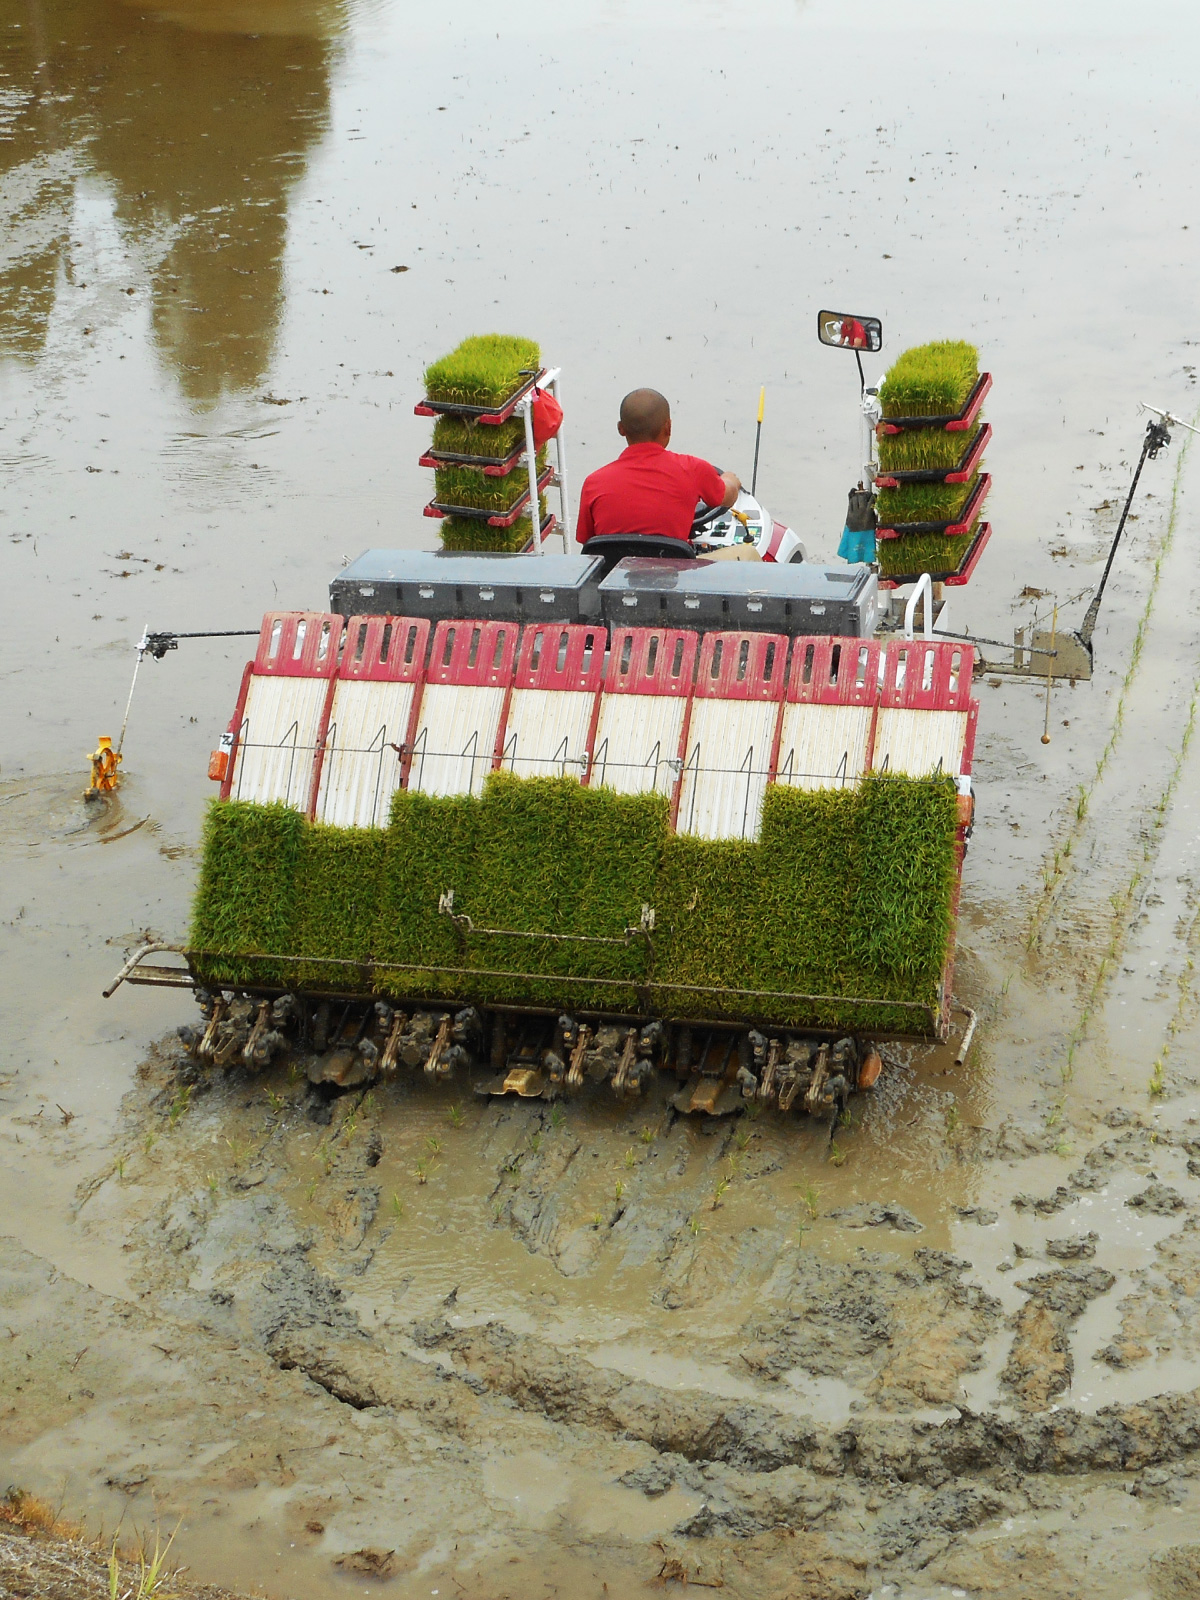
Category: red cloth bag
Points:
column 547, row 416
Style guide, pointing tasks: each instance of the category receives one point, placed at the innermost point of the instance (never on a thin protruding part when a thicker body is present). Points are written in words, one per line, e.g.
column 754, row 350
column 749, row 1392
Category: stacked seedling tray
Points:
column 931, row 488
column 482, row 491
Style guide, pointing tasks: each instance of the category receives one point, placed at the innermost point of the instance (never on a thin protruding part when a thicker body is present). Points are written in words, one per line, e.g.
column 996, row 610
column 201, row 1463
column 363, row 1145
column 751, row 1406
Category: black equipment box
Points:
column 742, row 596
column 443, row 585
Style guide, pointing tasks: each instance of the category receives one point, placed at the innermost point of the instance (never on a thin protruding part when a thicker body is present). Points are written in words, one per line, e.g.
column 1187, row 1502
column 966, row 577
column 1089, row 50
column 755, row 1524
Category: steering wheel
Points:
column 710, row 514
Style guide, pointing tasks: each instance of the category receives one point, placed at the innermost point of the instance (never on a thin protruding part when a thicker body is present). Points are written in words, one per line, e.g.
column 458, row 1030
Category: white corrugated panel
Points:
column 546, row 732
column 456, row 739
column 823, row 747
column 637, row 735
column 725, row 768
column 361, row 771
column 278, row 737
column 918, row 742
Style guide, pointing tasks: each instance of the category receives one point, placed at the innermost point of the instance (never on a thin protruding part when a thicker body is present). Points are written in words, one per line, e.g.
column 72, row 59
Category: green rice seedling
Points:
column 311, row 1190
column 903, row 914
column 182, row 1100
column 923, row 449
column 483, row 370
column 275, row 1101
column 719, row 1193
column 953, row 1118
column 837, row 1156
column 457, row 1115
column 246, row 899
column 931, row 380
column 397, row 1206
column 647, row 1135
column 433, row 1144
column 558, row 1116
column 421, row 1172
column 923, row 552
column 341, row 871
column 473, row 533
column 742, row 1138
column 120, row 1169
column 695, row 1226
column 535, row 1140
column 619, row 1190
column 630, row 1157
column 149, row 1142
column 212, row 1182
column 463, row 436
column 923, row 502
column 466, row 486
column 810, row 1195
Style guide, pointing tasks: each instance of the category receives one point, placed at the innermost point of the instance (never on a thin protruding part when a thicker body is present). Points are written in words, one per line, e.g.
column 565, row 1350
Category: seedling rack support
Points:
column 519, row 404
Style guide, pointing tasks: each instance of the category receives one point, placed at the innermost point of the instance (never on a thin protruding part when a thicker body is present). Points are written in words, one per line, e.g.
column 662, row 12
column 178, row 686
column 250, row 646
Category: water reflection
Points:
column 153, row 155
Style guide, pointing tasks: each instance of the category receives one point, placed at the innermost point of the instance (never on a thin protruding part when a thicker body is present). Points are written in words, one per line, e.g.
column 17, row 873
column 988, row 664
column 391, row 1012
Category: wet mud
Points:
column 394, row 1338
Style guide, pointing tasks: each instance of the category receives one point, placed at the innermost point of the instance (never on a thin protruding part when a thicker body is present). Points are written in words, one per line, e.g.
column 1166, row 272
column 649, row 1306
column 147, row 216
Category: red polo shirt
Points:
column 647, row 490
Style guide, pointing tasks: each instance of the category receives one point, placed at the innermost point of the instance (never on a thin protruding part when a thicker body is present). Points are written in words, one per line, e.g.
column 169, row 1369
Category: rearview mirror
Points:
column 847, row 332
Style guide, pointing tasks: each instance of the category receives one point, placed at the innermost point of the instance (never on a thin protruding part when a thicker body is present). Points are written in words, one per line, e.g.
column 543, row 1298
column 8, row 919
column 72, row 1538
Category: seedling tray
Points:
column 957, row 576
column 951, row 529
column 494, row 519
column 958, row 423
column 486, row 414
column 960, row 473
column 490, row 466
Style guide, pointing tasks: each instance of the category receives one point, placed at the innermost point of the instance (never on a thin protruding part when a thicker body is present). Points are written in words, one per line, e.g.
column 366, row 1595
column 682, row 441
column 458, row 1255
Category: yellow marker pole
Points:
column 762, row 406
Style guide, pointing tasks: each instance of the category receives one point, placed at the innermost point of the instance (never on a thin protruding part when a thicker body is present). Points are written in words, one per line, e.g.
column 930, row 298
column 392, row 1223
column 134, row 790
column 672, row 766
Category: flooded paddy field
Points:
column 404, row 1341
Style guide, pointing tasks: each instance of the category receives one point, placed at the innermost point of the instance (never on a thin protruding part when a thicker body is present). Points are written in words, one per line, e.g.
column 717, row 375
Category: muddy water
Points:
column 205, row 206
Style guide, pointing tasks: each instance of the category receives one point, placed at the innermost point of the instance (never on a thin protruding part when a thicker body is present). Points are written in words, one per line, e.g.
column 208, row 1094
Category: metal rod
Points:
column 762, row 406
column 1154, row 440
column 543, row 977
column 141, row 651
column 964, row 1044
column 1050, row 675
column 564, row 492
column 535, row 509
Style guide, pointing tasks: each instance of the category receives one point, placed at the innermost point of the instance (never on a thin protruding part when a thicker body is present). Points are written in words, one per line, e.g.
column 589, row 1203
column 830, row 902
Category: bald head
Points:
column 645, row 417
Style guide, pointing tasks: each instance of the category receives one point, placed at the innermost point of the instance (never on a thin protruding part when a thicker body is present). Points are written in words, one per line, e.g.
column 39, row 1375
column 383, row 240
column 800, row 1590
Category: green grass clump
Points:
column 473, row 533
column 340, row 873
column 431, row 847
column 556, row 857
column 467, row 486
column 923, row 502
column 923, row 552
column 923, row 450
column 246, row 899
column 901, row 917
column 482, row 371
column 461, row 436
column 931, row 380
column 848, row 892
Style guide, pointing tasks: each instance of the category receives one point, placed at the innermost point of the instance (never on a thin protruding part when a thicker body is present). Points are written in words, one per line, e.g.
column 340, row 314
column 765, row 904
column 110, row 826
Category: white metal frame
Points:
column 552, row 380
column 923, row 586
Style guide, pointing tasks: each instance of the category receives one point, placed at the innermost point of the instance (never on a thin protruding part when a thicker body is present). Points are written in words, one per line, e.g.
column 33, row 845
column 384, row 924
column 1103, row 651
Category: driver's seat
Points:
column 614, row 547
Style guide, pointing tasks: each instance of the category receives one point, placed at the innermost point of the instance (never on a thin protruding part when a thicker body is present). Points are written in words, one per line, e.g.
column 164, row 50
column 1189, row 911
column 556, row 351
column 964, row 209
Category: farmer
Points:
column 648, row 488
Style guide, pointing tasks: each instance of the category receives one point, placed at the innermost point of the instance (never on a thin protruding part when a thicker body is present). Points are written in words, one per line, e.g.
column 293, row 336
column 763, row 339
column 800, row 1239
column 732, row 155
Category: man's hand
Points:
column 733, row 487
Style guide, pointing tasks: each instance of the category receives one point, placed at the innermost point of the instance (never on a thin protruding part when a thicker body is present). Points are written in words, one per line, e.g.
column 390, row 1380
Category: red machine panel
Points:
column 651, row 661
column 385, row 649
column 742, row 666
column 561, row 656
column 479, row 654
column 831, row 671
column 928, row 675
column 298, row 644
